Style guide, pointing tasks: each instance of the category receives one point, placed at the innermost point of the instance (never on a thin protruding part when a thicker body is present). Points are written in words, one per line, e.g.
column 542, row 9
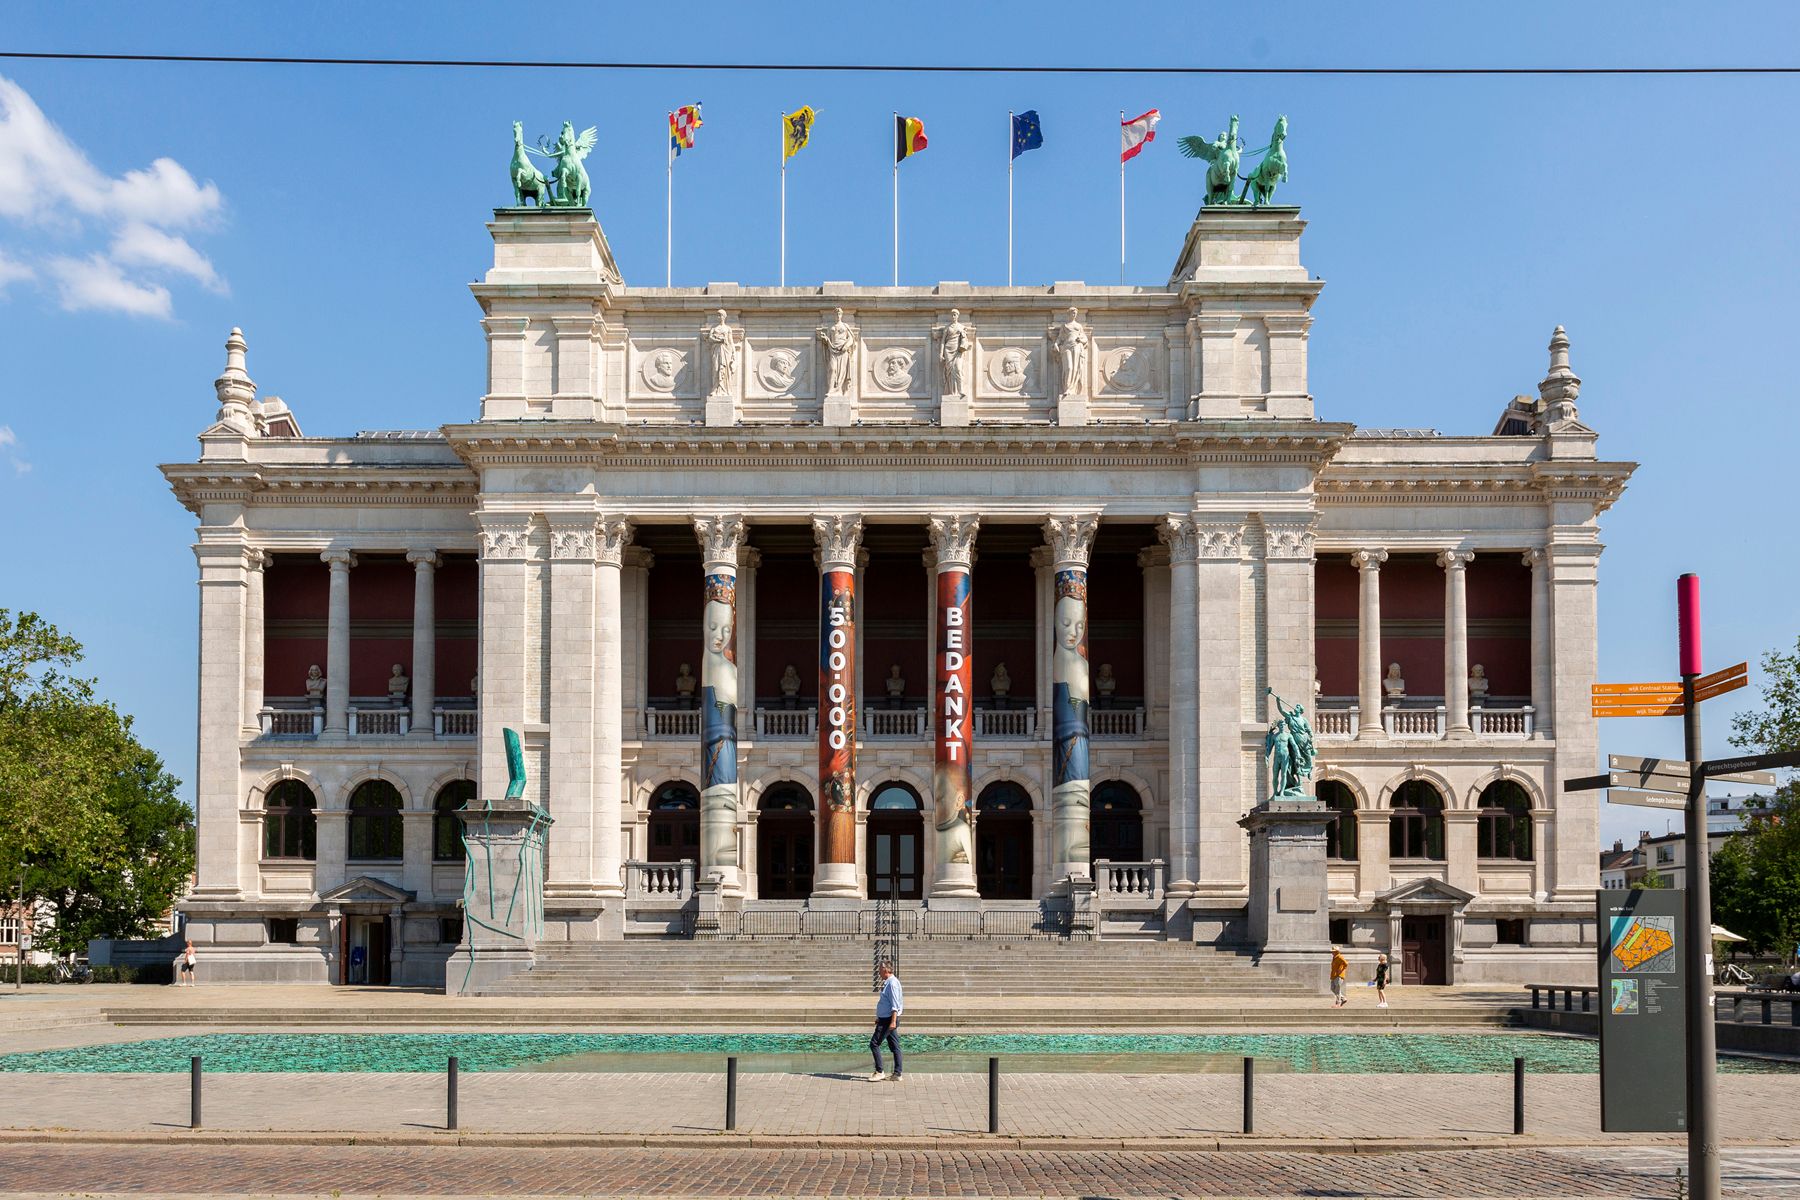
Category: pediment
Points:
column 1424, row 891
column 366, row 889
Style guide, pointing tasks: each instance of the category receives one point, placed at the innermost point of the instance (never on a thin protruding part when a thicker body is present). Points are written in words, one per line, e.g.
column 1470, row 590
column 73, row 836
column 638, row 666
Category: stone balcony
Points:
column 1425, row 718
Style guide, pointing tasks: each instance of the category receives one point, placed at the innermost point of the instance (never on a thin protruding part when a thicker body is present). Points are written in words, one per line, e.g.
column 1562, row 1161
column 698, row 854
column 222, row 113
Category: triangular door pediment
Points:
column 366, row 889
column 1424, row 891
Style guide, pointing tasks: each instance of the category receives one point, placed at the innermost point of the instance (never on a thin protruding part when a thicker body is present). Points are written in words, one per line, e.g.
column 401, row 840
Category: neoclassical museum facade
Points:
column 969, row 597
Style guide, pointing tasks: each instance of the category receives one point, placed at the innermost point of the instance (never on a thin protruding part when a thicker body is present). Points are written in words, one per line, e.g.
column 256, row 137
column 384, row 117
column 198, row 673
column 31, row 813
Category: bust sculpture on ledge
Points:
column 684, row 685
column 1001, row 684
column 315, row 683
column 896, row 686
column 1478, row 684
column 1105, row 684
column 790, row 686
column 1392, row 684
column 398, row 683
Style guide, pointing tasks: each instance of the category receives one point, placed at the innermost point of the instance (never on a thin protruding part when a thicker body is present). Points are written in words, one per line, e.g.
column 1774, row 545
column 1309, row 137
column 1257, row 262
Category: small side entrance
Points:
column 367, row 944
column 1423, row 941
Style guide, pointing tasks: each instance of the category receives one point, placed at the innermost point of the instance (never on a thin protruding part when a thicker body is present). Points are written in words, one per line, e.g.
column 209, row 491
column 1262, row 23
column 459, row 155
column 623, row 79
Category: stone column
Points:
column 612, row 534
column 953, row 718
column 1456, row 637
column 1220, row 709
column 255, row 562
column 223, row 589
column 424, row 640
column 1540, row 642
column 1071, row 540
column 1368, row 643
column 721, row 539
column 1177, row 533
column 838, row 538
column 337, row 642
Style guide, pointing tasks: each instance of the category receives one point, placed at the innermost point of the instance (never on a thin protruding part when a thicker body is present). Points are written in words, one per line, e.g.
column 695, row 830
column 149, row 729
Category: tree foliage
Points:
column 89, row 819
column 1756, row 873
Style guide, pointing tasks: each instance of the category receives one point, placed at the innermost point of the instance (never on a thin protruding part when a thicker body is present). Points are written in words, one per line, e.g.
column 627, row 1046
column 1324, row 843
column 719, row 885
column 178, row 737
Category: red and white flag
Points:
column 1135, row 132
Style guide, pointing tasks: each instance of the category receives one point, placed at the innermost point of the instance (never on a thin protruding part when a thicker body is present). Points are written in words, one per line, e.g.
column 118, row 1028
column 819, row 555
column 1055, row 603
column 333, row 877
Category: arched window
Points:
column 377, row 831
column 290, row 828
column 1417, row 827
column 896, row 837
column 1116, row 822
column 1503, row 829
column 446, row 826
column 674, row 824
column 1340, row 835
column 1003, row 842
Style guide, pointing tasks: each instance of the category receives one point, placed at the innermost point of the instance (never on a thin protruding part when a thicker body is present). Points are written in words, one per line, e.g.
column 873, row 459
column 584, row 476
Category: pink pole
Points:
column 1687, row 605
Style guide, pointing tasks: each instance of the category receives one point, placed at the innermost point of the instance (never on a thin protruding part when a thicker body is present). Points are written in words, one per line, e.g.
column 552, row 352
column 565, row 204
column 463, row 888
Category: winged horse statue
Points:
column 570, row 177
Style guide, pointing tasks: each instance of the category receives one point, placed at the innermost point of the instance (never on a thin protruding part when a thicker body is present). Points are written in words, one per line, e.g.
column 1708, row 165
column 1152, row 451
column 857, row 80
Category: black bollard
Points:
column 730, row 1094
column 993, row 1095
column 450, row 1096
column 194, row 1092
column 1518, row 1095
column 1249, row 1095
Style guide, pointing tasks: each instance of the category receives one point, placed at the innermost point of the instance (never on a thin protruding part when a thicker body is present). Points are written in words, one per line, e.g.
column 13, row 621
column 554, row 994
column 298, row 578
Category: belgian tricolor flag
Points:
column 909, row 136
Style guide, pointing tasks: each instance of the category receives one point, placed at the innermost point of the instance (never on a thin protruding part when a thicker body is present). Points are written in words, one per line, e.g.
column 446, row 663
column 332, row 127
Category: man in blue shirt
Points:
column 887, row 1022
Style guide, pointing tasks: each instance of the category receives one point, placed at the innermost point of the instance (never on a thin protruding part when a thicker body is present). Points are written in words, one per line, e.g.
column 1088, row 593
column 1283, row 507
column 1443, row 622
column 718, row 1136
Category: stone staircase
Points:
column 1053, row 971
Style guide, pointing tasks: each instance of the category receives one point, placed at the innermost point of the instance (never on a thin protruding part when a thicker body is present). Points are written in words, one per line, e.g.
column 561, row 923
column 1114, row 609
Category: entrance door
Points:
column 1422, row 950
column 1116, row 823
column 896, row 842
column 784, row 844
column 379, row 966
column 1003, row 842
column 674, row 824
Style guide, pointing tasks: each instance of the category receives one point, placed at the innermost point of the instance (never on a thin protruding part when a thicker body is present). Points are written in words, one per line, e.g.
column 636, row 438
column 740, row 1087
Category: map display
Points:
column 1645, row 946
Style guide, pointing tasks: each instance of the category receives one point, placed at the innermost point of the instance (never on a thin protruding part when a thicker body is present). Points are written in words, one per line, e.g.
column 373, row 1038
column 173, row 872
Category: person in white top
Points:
column 887, row 1022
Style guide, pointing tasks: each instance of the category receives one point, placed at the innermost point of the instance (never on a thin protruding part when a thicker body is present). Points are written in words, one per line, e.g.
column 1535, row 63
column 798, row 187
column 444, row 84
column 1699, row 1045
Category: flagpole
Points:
column 1121, row 204
column 1009, row 197
column 896, row 199
column 782, row 122
column 669, row 215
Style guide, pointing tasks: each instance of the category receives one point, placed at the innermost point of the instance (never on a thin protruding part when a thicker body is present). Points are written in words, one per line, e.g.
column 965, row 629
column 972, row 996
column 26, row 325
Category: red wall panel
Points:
column 674, row 615
column 296, row 591
column 1116, row 621
column 1336, row 590
column 1004, row 596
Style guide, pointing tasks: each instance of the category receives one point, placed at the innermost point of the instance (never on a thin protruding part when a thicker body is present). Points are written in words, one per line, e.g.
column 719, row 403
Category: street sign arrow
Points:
column 1642, row 799
column 1636, row 689
column 1740, row 671
column 1719, row 689
column 1651, row 766
column 1647, row 779
column 1587, row 783
column 1721, row 768
column 1671, row 708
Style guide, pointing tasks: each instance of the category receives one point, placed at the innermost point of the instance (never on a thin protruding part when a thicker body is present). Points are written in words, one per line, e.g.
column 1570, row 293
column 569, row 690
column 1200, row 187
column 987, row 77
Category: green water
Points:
column 1321, row 1053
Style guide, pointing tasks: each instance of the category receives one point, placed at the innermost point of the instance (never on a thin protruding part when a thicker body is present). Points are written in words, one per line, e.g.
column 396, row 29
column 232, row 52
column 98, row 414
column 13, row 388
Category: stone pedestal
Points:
column 1289, row 913
column 503, row 903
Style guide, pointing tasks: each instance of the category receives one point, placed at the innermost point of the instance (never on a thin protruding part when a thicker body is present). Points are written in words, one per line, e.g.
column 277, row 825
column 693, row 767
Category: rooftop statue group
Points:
column 1222, row 155
column 568, row 177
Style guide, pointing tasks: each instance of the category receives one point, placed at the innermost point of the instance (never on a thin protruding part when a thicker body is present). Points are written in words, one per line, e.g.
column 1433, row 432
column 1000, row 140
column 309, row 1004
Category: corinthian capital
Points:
column 1071, row 537
column 611, row 536
column 953, row 539
column 1178, row 534
column 1287, row 539
column 720, row 539
column 838, row 538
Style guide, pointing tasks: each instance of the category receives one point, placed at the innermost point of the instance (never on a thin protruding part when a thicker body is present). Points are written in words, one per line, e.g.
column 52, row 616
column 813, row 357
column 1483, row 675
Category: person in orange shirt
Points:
column 1340, row 969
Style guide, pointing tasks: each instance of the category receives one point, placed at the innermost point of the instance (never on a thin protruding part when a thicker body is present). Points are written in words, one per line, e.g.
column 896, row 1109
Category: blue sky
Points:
column 336, row 215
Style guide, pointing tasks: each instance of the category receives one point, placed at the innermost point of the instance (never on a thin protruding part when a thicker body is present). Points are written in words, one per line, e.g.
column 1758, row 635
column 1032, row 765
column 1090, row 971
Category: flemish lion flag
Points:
column 796, row 128
column 909, row 137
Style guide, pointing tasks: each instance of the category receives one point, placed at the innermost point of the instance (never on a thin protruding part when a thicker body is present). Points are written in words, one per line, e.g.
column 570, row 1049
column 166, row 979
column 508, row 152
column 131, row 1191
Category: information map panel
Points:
column 1643, row 1021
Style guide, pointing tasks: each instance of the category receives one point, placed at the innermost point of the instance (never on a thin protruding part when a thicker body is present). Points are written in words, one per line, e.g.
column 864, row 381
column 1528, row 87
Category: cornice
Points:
column 1598, row 483
column 195, row 484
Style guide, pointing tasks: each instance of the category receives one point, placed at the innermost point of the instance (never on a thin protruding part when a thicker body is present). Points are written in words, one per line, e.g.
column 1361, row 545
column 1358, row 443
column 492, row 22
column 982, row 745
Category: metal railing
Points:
column 1115, row 722
column 1005, row 722
column 663, row 882
column 379, row 722
column 1502, row 722
column 455, row 722
column 1339, row 722
column 1116, row 881
column 306, row 722
column 672, row 722
column 785, row 722
column 894, row 722
column 1414, row 722
column 885, row 923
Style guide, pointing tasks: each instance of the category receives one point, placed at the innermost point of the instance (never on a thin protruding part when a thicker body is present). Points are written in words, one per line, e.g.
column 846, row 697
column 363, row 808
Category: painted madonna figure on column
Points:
column 1069, row 707
column 718, row 725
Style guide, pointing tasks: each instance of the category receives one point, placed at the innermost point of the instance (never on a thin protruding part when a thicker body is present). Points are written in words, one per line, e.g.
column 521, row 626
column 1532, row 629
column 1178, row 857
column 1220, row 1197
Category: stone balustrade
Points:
column 1005, row 722
column 1116, row 722
column 1334, row 722
column 287, row 721
column 1502, row 722
column 672, row 722
column 455, row 722
column 786, row 722
column 1415, row 722
column 671, row 883
column 894, row 723
column 378, row 722
column 1128, row 881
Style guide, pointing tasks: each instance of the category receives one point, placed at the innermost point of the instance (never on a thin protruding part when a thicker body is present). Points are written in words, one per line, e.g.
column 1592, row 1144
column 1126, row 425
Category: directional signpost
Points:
column 1675, row 784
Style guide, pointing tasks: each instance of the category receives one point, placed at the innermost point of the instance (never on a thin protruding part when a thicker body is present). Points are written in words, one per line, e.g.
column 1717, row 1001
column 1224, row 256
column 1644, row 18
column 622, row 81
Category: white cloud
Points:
column 142, row 246
column 96, row 283
column 9, row 441
column 48, row 182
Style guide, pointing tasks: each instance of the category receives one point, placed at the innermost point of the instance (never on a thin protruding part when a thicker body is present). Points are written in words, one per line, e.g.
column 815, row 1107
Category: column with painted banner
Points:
column 1070, row 538
column 838, row 538
column 953, row 718
column 720, row 540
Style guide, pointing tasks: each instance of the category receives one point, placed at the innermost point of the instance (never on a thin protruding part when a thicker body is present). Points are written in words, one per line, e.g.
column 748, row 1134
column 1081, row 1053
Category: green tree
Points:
column 1756, row 874
column 89, row 820
column 1653, row 880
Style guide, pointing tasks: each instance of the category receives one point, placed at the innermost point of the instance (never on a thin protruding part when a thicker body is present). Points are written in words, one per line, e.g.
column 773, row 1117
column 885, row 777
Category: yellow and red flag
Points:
column 909, row 136
column 682, row 123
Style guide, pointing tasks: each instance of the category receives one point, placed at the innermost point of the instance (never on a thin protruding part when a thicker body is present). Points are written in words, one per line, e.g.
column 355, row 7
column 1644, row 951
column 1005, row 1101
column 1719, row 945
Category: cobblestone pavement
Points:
column 450, row 1170
column 1753, row 1107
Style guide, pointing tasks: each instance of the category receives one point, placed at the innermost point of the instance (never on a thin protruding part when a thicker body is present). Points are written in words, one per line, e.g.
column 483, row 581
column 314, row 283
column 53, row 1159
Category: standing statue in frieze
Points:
column 722, row 343
column 840, row 339
column 953, row 343
column 1069, row 341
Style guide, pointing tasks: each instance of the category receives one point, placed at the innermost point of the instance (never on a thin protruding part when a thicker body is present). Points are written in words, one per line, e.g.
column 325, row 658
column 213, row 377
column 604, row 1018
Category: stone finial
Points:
column 1561, row 386
column 236, row 390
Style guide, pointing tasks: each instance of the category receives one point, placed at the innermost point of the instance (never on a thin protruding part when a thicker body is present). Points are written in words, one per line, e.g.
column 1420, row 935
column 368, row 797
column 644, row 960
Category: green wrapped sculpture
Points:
column 515, row 764
column 1259, row 185
column 1288, row 749
column 1221, row 155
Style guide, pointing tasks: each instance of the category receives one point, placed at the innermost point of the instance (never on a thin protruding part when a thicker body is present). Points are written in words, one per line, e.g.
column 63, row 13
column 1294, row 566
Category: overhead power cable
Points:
column 881, row 68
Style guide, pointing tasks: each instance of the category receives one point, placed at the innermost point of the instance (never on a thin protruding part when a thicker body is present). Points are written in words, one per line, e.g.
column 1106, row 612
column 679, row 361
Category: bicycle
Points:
column 1732, row 975
column 77, row 972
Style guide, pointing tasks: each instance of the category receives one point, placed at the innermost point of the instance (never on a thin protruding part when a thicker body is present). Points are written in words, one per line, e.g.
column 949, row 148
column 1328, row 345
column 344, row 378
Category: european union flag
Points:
column 1027, row 134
